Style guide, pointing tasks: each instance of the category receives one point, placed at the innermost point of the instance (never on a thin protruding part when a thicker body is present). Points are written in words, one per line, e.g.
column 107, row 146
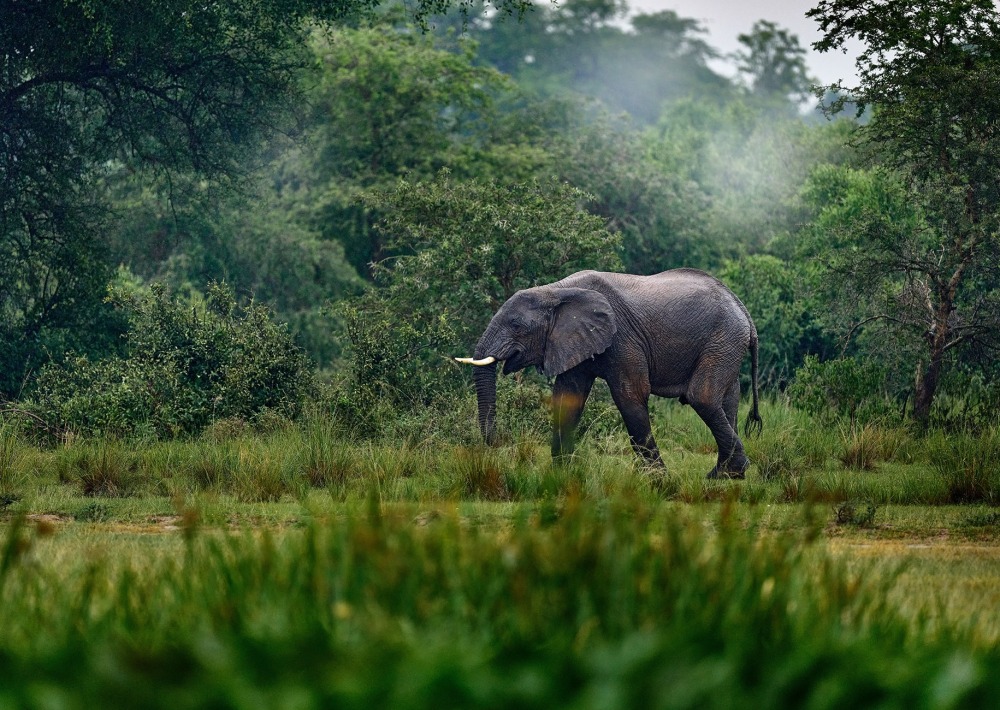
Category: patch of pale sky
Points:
column 725, row 20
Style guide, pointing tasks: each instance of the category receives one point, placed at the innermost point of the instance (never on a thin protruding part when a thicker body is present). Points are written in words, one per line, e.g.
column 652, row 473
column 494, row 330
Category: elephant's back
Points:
column 677, row 318
column 682, row 296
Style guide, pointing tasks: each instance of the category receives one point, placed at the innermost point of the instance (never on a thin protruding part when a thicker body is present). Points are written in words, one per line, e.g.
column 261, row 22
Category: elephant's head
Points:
column 551, row 327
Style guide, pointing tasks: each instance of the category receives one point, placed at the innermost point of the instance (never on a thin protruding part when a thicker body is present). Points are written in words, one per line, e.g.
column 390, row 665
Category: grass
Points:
column 572, row 602
column 308, row 567
column 795, row 460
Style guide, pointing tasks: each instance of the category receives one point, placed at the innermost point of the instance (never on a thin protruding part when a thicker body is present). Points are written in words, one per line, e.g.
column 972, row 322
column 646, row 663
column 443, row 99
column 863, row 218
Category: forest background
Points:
column 159, row 222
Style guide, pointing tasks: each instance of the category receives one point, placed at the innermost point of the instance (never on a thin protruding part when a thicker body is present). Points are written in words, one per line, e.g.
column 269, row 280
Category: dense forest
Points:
column 381, row 180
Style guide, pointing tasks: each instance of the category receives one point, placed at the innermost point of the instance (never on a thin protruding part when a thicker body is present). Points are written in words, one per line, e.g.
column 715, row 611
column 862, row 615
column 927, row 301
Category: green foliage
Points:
column 969, row 399
column 185, row 232
column 844, row 387
column 183, row 93
column 572, row 602
column 785, row 314
column 385, row 103
column 857, row 513
column 588, row 47
column 932, row 71
column 748, row 163
column 777, row 455
column 463, row 249
column 89, row 88
column 868, row 444
column 185, row 366
column 12, row 455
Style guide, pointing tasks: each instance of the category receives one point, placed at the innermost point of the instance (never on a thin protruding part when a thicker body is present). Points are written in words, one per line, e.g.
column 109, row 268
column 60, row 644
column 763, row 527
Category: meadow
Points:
column 305, row 566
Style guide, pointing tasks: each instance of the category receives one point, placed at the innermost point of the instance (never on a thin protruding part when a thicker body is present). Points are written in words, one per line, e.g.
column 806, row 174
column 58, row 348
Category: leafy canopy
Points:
column 932, row 72
column 463, row 249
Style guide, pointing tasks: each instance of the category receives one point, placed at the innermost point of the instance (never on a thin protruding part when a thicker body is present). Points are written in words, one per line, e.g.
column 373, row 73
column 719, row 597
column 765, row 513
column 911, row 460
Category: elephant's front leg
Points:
column 569, row 394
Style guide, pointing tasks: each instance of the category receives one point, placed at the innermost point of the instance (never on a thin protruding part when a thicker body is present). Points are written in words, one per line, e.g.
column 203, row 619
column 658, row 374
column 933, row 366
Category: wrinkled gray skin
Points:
column 679, row 333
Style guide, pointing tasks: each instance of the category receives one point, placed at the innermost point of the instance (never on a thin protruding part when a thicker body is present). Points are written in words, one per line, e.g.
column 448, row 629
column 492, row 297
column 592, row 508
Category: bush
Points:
column 844, row 388
column 185, row 367
column 860, row 514
column 784, row 315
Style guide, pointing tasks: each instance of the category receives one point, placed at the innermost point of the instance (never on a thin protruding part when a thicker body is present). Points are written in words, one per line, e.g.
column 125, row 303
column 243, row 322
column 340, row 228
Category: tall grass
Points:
column 969, row 466
column 795, row 459
column 12, row 455
column 612, row 604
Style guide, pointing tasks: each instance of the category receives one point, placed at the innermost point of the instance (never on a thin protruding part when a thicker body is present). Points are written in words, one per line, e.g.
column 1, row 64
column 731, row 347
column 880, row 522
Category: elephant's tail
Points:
column 753, row 424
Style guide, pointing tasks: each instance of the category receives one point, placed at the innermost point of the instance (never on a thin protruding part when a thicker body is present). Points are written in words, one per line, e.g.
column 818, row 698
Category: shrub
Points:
column 842, row 388
column 185, row 367
column 785, row 316
column 860, row 514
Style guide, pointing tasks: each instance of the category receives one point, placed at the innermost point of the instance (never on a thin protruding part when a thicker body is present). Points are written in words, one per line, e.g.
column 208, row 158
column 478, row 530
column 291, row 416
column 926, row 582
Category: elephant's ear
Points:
column 583, row 327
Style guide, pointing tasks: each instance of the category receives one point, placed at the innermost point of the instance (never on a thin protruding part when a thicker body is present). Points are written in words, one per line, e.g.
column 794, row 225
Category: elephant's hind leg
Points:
column 719, row 413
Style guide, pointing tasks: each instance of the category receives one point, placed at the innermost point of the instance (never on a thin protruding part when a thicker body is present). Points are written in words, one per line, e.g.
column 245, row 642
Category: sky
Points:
column 726, row 19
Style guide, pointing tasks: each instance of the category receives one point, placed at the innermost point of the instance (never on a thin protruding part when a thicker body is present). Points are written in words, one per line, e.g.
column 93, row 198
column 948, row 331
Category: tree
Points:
column 932, row 72
column 774, row 63
column 586, row 47
column 90, row 87
column 385, row 103
column 184, row 235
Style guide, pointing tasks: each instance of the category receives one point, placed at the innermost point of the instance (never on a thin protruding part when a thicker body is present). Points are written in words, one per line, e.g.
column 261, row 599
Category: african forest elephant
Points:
column 679, row 333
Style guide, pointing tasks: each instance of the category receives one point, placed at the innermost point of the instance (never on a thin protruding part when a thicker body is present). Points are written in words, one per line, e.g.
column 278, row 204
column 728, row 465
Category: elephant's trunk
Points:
column 486, row 395
column 485, row 377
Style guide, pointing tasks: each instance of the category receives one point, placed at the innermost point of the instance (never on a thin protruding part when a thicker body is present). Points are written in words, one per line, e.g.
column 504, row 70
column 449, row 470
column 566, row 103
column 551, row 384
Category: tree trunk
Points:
column 937, row 339
column 926, row 387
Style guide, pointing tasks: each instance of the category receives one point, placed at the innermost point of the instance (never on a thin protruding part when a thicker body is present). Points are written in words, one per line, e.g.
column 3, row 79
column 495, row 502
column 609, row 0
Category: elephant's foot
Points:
column 733, row 469
column 715, row 473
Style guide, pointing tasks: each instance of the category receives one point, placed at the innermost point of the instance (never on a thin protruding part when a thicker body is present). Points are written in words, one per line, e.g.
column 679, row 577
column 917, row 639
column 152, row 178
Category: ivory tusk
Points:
column 478, row 363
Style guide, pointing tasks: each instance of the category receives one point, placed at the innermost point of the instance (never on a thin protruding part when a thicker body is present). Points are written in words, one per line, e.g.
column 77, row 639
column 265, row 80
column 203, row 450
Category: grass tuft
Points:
column 328, row 460
column 868, row 445
column 13, row 475
column 969, row 465
column 479, row 472
column 104, row 467
column 860, row 514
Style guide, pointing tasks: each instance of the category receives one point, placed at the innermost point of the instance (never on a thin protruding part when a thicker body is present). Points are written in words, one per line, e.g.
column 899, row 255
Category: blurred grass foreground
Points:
column 575, row 603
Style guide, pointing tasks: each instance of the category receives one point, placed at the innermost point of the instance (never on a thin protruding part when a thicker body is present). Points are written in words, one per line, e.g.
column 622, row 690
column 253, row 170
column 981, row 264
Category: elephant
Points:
column 680, row 333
